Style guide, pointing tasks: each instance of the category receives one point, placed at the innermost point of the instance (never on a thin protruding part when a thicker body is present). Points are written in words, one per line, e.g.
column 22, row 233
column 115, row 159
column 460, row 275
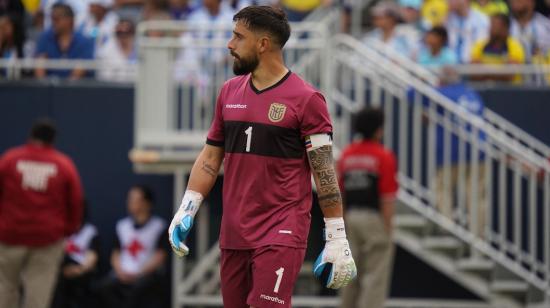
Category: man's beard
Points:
column 242, row 66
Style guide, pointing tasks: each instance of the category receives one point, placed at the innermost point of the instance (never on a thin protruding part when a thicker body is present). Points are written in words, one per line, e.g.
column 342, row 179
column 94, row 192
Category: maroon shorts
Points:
column 261, row 277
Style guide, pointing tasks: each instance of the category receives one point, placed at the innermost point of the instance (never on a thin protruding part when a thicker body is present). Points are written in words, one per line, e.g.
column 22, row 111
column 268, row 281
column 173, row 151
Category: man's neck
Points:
column 214, row 11
column 463, row 12
column 268, row 73
column 497, row 41
column 142, row 218
column 387, row 33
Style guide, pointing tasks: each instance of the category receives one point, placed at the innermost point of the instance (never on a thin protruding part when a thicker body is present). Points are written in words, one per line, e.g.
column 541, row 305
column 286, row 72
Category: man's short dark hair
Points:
column 147, row 193
column 67, row 9
column 441, row 32
column 368, row 121
column 268, row 19
column 43, row 130
column 503, row 18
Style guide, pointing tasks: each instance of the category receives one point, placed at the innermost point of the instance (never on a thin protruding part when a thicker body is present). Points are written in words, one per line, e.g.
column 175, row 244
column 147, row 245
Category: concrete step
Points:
column 410, row 221
column 446, row 243
column 509, row 286
column 478, row 265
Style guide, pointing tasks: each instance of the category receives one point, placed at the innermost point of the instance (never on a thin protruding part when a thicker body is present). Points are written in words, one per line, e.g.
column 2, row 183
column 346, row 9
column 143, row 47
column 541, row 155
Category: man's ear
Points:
column 264, row 44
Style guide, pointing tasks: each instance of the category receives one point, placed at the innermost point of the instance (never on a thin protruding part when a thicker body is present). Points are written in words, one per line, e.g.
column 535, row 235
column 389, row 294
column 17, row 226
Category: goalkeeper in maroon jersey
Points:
column 272, row 131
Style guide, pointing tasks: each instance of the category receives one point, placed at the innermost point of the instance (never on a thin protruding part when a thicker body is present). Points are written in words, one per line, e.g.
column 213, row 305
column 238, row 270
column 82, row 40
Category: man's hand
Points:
column 335, row 266
column 183, row 221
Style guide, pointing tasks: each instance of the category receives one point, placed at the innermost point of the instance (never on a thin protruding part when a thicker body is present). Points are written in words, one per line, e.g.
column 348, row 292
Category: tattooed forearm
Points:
column 209, row 169
column 322, row 166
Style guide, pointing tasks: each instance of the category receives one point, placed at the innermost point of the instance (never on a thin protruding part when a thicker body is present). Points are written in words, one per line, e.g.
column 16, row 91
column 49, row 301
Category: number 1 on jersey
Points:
column 248, row 133
column 279, row 273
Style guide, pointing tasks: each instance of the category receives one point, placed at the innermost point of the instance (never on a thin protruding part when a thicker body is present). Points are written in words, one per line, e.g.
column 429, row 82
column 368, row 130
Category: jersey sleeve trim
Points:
column 214, row 142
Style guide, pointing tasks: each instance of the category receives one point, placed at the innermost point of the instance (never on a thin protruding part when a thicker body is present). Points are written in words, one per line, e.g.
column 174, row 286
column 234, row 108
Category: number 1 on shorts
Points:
column 279, row 273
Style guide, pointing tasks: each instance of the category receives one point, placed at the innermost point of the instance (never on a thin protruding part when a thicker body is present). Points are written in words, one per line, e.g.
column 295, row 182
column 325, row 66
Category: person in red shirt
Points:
column 367, row 173
column 272, row 131
column 40, row 204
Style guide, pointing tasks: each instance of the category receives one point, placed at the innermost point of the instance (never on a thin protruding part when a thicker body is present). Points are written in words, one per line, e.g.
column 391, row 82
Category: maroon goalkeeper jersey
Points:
column 267, row 183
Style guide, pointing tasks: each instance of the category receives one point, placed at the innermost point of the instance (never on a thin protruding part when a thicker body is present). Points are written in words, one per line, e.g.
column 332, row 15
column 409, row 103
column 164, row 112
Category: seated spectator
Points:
column 434, row 13
column 79, row 7
column 499, row 48
column 180, row 9
column 100, row 23
column 465, row 27
column 139, row 256
column 62, row 42
column 129, row 9
column 435, row 53
column 412, row 26
column 78, row 268
column 386, row 17
column 118, row 52
column 12, row 37
column 490, row 7
column 531, row 28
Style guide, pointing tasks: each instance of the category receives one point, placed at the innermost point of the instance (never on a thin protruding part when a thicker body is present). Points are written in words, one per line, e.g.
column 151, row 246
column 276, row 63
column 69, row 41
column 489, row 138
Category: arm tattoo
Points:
column 209, row 169
column 323, row 169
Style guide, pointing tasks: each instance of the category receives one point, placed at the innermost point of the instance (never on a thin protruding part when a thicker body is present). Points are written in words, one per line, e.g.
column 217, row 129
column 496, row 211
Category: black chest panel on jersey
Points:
column 361, row 189
column 262, row 139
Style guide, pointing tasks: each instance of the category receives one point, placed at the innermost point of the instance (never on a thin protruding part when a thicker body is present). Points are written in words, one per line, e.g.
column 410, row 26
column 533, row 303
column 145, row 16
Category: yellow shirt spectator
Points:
column 511, row 52
column 434, row 12
column 31, row 6
column 301, row 5
column 490, row 7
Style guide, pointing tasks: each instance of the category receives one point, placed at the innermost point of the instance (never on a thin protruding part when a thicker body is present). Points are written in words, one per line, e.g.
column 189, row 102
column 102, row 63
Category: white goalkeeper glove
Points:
column 183, row 221
column 335, row 266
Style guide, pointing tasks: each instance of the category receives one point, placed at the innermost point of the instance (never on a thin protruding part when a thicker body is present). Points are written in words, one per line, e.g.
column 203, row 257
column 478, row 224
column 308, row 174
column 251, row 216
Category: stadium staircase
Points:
column 504, row 260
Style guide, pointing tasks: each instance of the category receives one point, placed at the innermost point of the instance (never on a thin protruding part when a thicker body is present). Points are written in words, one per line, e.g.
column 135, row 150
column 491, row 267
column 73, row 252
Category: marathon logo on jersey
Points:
column 276, row 112
column 35, row 174
column 272, row 299
column 235, row 106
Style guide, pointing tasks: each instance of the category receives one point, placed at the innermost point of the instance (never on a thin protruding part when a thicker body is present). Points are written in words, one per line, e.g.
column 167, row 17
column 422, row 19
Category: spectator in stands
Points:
column 368, row 177
column 499, row 48
column 12, row 37
column 78, row 268
column 455, row 179
column 297, row 10
column 180, row 9
column 531, row 28
column 386, row 17
column 100, row 23
column 118, row 53
column 435, row 53
column 79, row 8
column 465, row 26
column 412, row 26
column 139, row 257
column 40, row 204
column 129, row 9
column 62, row 42
column 434, row 13
column 490, row 7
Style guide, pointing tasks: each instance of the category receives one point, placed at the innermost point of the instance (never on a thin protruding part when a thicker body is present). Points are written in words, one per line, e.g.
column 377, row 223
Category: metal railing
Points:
column 488, row 184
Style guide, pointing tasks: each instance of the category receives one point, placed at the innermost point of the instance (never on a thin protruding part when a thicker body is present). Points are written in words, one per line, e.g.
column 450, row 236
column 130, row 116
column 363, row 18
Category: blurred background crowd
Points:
column 435, row 33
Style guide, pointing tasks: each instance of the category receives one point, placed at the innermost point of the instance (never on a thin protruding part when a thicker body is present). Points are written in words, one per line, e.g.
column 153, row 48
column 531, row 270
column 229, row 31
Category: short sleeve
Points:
column 388, row 177
column 315, row 117
column 215, row 134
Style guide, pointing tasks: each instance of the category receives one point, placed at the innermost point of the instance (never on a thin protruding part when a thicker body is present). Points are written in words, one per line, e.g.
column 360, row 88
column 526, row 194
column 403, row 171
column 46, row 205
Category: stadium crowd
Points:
column 434, row 33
